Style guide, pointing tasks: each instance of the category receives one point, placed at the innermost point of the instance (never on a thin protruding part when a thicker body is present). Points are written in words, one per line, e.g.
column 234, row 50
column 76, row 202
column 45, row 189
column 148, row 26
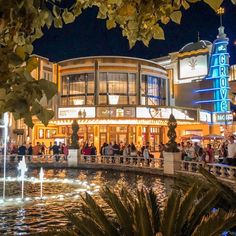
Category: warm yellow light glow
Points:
column 221, row 11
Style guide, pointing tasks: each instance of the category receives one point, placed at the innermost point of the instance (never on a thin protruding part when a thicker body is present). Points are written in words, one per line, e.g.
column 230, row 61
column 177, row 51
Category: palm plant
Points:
column 185, row 213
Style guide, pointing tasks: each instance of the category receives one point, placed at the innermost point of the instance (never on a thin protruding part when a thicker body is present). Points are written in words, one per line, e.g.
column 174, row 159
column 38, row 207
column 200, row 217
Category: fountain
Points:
column 22, row 167
column 5, row 126
column 41, row 174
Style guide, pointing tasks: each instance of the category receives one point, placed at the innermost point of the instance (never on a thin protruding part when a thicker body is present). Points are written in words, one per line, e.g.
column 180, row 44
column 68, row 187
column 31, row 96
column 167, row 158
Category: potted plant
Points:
column 172, row 155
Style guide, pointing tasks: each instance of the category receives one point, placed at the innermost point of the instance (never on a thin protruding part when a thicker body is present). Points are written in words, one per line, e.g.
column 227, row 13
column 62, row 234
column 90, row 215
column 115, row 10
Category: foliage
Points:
column 24, row 21
column 172, row 145
column 74, row 136
column 140, row 214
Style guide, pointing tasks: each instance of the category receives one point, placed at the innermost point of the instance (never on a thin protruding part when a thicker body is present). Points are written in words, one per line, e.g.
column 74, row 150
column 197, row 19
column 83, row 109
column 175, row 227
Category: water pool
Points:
column 29, row 217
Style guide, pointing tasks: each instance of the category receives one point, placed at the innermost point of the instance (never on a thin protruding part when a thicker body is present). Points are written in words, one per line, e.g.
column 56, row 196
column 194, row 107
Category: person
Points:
column 102, row 149
column 190, row 153
column 37, row 149
column 133, row 150
column 65, row 151
column 223, row 153
column 110, row 149
column 93, row 151
column 146, row 152
column 231, row 158
column 30, row 151
column 116, row 149
column 106, row 151
column 201, row 155
column 60, row 148
column 196, row 148
column 43, row 148
column 209, row 158
column 22, row 151
column 86, row 151
column 56, row 151
column 50, row 149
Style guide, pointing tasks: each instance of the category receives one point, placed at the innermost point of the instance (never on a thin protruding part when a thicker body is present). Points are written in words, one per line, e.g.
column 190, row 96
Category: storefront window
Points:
column 153, row 90
column 50, row 133
column 75, row 88
column 40, row 133
column 132, row 83
column 117, row 88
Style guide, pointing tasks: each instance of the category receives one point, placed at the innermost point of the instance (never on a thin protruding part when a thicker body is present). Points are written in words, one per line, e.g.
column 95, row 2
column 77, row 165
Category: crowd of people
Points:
column 113, row 149
column 39, row 149
column 225, row 153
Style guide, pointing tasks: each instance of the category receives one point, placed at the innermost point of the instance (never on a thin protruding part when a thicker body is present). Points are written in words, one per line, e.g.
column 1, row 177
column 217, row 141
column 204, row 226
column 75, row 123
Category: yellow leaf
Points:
column 32, row 63
column 176, row 16
column 158, row 32
column 215, row 4
column 110, row 24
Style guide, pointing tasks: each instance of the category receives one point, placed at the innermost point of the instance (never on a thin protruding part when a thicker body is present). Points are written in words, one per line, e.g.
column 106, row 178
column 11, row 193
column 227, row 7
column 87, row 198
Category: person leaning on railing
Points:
column 231, row 158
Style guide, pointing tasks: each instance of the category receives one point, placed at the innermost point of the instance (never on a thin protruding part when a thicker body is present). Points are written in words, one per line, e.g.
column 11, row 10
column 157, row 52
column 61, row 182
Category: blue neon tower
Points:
column 218, row 74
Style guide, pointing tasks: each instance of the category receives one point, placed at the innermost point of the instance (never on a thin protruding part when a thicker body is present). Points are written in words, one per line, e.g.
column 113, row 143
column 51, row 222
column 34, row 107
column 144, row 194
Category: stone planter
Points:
column 73, row 157
column 171, row 162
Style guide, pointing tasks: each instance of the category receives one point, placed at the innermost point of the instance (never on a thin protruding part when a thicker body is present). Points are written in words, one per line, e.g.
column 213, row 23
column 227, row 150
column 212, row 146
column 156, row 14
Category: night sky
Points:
column 88, row 36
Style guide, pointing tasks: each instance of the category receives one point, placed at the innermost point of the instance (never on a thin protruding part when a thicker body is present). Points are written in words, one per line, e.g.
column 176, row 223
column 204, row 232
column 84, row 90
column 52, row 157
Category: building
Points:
column 200, row 72
column 128, row 100
column 118, row 99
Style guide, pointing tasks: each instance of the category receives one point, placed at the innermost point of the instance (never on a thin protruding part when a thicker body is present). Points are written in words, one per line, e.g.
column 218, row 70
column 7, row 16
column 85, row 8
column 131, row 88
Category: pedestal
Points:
column 73, row 157
column 171, row 162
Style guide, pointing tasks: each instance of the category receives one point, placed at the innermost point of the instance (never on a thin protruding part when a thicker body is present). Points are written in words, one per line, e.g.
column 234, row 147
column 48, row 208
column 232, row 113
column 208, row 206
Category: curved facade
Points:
column 118, row 99
column 112, row 81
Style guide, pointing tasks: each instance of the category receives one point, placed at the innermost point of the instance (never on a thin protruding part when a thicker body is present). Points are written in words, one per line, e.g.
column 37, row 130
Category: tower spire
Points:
column 221, row 29
column 221, row 12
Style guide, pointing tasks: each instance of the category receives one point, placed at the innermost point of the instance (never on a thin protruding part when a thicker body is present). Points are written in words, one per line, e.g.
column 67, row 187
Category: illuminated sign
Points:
column 205, row 116
column 223, row 118
column 144, row 112
column 195, row 66
column 219, row 75
column 76, row 112
column 220, row 68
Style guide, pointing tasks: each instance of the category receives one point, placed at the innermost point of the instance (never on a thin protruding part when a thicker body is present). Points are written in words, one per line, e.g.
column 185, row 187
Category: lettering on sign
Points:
column 220, row 59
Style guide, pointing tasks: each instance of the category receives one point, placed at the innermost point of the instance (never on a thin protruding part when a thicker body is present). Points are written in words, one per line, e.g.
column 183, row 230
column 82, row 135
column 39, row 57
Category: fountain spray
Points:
column 22, row 167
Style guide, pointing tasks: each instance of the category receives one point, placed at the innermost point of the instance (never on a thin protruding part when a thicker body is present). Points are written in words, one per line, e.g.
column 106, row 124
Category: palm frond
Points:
column 227, row 193
column 216, row 223
column 202, row 207
column 154, row 210
column 99, row 216
column 77, row 223
column 142, row 217
column 170, row 214
column 186, row 204
column 123, row 216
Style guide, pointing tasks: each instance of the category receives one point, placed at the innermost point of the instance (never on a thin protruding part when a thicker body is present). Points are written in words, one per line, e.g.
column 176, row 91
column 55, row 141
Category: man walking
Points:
column 231, row 159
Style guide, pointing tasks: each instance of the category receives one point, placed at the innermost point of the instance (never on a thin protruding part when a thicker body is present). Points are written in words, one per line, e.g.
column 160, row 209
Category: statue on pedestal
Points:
column 74, row 136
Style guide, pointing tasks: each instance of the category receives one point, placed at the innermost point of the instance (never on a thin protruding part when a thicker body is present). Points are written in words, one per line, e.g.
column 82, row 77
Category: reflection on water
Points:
column 39, row 216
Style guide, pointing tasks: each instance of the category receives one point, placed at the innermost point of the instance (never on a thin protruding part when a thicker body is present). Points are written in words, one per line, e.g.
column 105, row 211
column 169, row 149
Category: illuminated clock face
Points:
column 155, row 112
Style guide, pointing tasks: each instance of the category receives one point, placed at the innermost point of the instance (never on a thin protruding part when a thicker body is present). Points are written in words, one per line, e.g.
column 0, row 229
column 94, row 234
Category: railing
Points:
column 219, row 170
column 123, row 161
column 47, row 158
column 89, row 159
